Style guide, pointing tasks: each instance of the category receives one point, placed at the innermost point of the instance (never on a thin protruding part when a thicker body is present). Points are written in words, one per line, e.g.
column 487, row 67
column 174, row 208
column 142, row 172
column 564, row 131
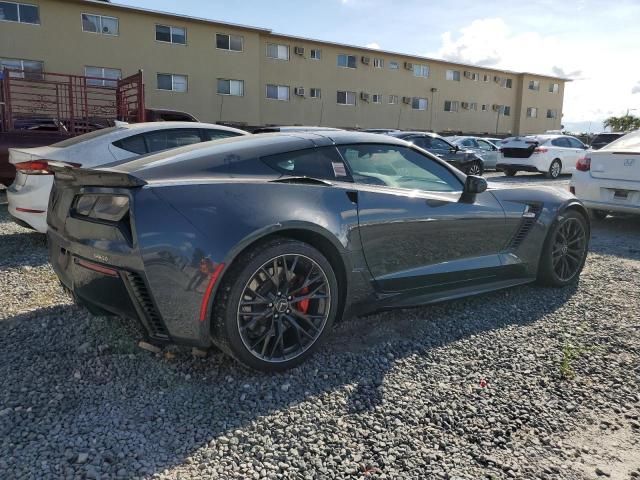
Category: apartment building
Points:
column 222, row 72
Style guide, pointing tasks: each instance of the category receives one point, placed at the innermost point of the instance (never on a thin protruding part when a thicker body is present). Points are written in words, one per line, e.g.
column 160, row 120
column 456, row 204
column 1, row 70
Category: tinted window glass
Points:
column 163, row 33
column 439, row 144
column 324, row 163
column 213, row 134
column 164, row 139
column 134, row 144
column 421, row 142
column 398, row 167
column 575, row 143
column 560, row 142
column 9, row 11
column 484, row 145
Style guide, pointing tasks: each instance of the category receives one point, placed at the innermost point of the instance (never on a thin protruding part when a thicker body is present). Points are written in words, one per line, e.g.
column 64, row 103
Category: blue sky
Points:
column 594, row 42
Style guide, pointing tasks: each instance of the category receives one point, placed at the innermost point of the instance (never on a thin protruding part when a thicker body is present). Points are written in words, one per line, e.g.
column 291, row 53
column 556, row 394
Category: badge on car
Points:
column 628, row 162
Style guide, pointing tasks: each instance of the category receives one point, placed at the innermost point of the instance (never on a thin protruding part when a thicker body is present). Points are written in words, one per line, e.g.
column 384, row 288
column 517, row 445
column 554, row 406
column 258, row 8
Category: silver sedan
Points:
column 481, row 147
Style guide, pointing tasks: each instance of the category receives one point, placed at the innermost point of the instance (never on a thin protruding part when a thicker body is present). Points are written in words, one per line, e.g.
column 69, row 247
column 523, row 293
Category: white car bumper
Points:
column 28, row 200
column 604, row 194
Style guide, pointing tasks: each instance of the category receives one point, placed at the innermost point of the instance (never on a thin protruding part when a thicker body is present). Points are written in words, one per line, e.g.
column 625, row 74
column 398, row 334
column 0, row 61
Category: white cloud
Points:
column 602, row 77
column 373, row 45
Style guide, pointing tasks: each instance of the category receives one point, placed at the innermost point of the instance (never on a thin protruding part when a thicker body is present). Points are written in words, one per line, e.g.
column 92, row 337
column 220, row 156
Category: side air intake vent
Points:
column 146, row 305
column 529, row 217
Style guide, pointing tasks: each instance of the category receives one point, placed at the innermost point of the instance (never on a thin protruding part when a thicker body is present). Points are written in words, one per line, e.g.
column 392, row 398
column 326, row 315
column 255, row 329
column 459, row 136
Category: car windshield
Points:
column 87, row 136
column 631, row 141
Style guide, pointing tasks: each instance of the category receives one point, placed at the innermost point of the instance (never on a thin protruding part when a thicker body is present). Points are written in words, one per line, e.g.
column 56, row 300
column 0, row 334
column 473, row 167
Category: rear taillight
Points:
column 583, row 164
column 540, row 150
column 39, row 167
column 111, row 208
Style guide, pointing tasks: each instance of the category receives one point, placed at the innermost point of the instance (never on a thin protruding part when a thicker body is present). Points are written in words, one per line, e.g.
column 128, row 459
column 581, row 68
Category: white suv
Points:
column 548, row 154
column 608, row 180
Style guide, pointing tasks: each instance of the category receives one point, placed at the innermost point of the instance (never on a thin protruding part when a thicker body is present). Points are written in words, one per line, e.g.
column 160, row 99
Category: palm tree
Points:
column 622, row 124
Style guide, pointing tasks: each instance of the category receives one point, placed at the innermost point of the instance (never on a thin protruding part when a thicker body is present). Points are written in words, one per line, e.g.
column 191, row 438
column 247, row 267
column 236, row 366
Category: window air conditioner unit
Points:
column 299, row 91
column 299, row 50
column 465, row 105
column 408, row 65
column 364, row 96
column 468, row 74
column 495, row 107
column 406, row 99
column 366, row 60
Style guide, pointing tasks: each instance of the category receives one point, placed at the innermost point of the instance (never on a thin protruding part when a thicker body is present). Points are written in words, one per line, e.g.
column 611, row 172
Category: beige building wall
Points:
column 64, row 47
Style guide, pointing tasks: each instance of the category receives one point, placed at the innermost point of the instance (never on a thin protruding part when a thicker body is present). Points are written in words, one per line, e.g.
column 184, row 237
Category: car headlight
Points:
column 103, row 207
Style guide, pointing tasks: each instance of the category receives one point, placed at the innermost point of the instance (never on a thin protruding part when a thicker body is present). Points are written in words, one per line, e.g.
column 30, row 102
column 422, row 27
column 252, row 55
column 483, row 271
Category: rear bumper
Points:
column 36, row 221
column 611, row 207
column 115, row 289
column 520, row 167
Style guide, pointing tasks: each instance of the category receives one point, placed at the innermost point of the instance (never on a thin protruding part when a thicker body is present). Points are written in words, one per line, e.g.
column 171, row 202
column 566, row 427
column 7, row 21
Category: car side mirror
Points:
column 474, row 185
column 586, row 147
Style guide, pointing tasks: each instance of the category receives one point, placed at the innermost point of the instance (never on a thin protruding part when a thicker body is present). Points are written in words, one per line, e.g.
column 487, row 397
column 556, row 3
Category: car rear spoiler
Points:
column 106, row 177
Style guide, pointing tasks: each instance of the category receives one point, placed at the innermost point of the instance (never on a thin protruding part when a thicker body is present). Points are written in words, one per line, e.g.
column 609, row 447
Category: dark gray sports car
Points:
column 258, row 244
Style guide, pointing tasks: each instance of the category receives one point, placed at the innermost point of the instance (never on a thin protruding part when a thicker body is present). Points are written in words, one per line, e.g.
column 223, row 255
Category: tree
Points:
column 622, row 124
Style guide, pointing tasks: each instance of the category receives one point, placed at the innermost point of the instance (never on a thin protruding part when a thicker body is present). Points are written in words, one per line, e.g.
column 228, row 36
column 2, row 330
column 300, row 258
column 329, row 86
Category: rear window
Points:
column 630, row 141
column 87, row 136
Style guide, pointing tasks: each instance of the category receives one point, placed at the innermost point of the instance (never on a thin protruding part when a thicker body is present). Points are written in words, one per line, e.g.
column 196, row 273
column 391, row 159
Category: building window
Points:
column 552, row 113
column 485, row 107
column 234, row 43
column 532, row 112
column 30, row 69
column 376, row 98
column 279, row 52
column 419, row 103
column 231, row 87
column 315, row 93
column 486, row 78
column 534, row 85
column 100, row 24
column 316, row 54
column 554, row 87
column 453, row 75
column 450, row 106
column 506, row 110
column 347, row 61
column 420, row 70
column 19, row 12
column 393, row 99
column 507, row 83
column 172, row 82
column 166, row 33
column 346, row 98
column 378, row 62
column 106, row 77
column 473, row 106
column 278, row 92
column 394, row 66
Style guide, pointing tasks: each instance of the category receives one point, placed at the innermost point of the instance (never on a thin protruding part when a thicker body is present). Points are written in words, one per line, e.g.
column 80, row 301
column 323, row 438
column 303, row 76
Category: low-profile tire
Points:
column 564, row 251
column 599, row 214
column 555, row 169
column 275, row 305
column 476, row 168
column 509, row 172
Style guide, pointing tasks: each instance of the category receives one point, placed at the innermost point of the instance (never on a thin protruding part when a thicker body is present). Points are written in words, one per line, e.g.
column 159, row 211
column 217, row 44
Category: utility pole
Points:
column 433, row 90
column 500, row 107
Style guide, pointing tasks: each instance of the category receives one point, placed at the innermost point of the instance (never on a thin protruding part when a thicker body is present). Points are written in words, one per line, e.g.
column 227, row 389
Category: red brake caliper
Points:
column 303, row 305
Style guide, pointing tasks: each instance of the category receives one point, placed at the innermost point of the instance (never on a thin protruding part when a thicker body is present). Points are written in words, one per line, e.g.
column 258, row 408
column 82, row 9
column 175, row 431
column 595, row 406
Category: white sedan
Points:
column 28, row 196
column 548, row 154
column 608, row 180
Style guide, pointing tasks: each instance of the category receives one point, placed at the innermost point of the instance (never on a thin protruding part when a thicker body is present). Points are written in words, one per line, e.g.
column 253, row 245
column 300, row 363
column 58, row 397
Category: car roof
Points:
column 144, row 126
column 293, row 128
column 252, row 146
column 407, row 133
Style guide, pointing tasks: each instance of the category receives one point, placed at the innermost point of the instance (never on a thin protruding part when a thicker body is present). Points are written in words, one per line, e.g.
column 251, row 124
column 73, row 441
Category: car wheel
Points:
column 564, row 251
column 275, row 305
column 509, row 172
column 599, row 214
column 476, row 168
column 554, row 169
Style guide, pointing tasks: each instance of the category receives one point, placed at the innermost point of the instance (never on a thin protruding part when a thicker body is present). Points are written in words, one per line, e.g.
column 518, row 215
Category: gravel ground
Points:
column 524, row 383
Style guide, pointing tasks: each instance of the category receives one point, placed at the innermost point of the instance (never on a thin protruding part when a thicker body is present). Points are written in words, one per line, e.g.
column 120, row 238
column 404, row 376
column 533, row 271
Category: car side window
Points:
column 399, row 167
column 171, row 138
column 560, row 142
column 323, row 163
column 485, row 146
column 575, row 143
column 213, row 134
column 133, row 144
column 469, row 142
column 438, row 144
column 420, row 142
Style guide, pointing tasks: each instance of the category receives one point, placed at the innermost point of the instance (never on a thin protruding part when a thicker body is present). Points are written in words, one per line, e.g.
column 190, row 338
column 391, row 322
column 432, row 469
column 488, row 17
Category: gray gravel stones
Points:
column 462, row 390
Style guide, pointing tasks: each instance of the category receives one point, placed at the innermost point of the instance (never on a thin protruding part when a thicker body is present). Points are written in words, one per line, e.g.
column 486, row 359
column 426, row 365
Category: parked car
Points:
column 602, row 139
column 495, row 141
column 29, row 193
column 380, row 130
column 293, row 128
column 608, row 180
column 480, row 146
column 548, row 154
column 464, row 160
column 258, row 244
